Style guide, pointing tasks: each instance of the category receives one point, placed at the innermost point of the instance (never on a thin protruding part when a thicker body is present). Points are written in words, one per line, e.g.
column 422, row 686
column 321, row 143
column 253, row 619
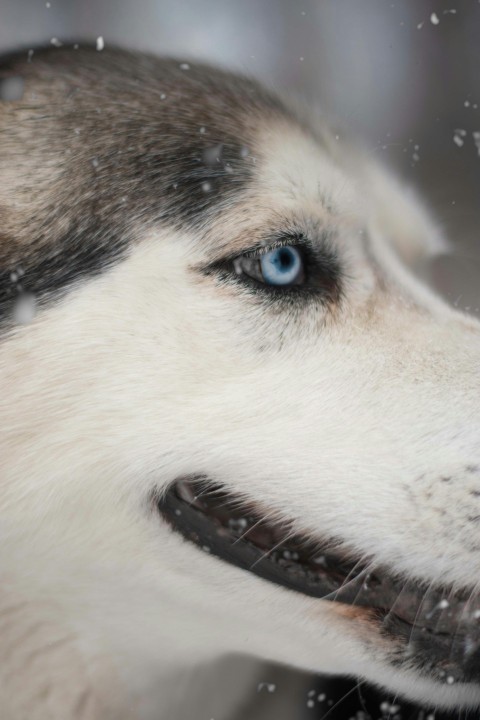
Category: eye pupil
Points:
column 286, row 259
column 282, row 266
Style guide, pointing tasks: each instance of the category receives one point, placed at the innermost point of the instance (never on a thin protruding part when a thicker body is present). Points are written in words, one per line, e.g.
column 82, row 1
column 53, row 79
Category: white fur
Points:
column 343, row 424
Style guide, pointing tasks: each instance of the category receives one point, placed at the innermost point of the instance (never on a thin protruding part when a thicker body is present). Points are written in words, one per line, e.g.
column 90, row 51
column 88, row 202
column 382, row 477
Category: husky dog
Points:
column 232, row 420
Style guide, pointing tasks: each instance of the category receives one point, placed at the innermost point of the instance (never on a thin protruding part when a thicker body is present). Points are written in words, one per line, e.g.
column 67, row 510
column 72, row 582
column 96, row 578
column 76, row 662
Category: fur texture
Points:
column 125, row 183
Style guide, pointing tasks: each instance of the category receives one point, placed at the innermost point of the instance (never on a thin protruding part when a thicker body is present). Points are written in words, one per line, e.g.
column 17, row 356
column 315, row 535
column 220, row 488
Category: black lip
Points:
column 437, row 628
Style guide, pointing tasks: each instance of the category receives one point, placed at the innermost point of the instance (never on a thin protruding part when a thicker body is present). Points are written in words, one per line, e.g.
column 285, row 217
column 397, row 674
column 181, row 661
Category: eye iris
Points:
column 281, row 266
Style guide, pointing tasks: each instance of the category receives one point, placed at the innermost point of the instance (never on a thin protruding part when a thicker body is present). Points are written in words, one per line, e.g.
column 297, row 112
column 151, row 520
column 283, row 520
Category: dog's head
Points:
column 213, row 349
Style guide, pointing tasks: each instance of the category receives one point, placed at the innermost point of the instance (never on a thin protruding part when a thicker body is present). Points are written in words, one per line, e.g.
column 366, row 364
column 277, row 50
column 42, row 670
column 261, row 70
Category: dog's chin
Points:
column 429, row 630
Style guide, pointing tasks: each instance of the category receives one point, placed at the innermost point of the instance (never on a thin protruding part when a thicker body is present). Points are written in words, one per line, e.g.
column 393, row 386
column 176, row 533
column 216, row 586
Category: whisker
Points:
column 390, row 611
column 420, row 605
column 252, row 527
column 272, row 549
column 332, row 595
column 344, row 697
column 392, row 704
column 348, row 579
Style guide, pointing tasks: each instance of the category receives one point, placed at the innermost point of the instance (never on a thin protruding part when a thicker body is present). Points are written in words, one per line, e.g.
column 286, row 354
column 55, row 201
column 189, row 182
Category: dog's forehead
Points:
column 98, row 144
column 298, row 170
column 175, row 137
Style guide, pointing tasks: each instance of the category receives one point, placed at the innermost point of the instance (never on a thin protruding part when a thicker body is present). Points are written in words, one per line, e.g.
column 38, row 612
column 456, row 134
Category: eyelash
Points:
column 264, row 249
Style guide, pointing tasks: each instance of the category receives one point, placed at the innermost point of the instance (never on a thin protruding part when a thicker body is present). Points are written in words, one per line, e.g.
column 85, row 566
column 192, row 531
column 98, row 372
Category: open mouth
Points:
column 436, row 629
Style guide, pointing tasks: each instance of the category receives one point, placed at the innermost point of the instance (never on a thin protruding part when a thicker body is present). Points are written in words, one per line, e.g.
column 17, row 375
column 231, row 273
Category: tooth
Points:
column 185, row 492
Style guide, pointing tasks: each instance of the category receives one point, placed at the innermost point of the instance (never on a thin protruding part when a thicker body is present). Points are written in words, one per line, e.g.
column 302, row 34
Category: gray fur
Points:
column 98, row 144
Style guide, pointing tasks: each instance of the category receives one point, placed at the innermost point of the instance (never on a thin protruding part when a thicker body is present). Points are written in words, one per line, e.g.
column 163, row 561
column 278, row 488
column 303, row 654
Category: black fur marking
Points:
column 132, row 142
column 58, row 270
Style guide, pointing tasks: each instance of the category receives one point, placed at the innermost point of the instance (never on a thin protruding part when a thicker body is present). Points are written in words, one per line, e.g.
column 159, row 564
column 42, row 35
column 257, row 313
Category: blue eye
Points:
column 281, row 266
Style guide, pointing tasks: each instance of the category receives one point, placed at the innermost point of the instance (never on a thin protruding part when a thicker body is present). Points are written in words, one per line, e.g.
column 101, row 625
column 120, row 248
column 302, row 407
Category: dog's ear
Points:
column 401, row 218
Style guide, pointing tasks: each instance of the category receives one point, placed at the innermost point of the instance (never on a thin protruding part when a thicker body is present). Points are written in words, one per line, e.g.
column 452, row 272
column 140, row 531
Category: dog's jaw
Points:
column 433, row 629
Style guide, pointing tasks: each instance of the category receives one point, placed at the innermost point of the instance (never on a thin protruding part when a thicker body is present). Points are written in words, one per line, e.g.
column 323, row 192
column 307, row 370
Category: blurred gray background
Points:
column 404, row 75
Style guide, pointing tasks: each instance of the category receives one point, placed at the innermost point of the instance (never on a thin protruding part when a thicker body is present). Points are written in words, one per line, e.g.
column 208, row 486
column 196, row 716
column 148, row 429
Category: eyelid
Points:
column 281, row 242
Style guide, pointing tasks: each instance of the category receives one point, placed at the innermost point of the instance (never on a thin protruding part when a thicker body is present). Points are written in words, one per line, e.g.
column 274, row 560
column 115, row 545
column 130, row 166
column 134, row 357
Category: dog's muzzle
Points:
column 432, row 628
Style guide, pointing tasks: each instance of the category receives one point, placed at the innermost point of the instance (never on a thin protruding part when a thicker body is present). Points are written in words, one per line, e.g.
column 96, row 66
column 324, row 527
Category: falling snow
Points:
column 11, row 89
column 459, row 136
column 100, row 43
column 24, row 308
column 269, row 687
column 476, row 140
column 389, row 708
column 212, row 155
column 434, row 19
